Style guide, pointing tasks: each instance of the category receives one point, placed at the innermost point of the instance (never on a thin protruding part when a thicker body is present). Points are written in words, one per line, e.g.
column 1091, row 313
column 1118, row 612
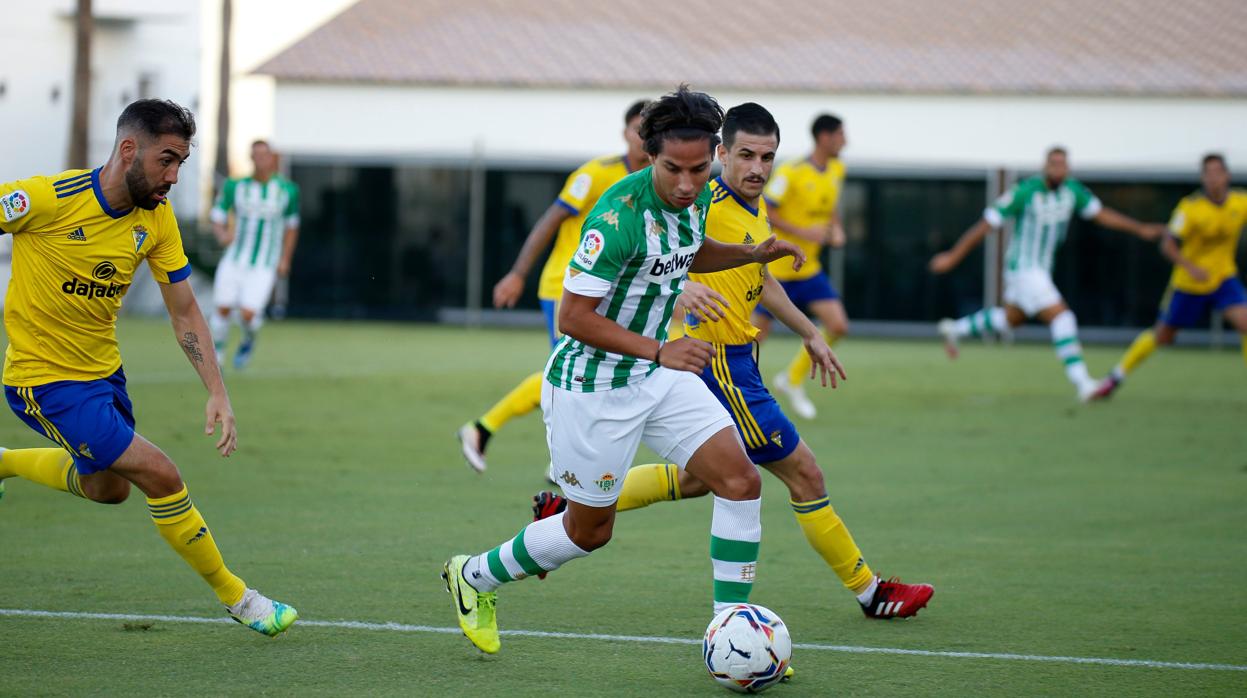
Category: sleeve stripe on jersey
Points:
column 180, row 274
column 62, row 193
column 770, row 202
column 74, row 181
column 574, row 211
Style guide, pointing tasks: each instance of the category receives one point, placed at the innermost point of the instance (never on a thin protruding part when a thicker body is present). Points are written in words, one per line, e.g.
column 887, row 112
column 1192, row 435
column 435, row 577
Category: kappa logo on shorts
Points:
column 607, row 483
column 14, row 205
column 569, row 478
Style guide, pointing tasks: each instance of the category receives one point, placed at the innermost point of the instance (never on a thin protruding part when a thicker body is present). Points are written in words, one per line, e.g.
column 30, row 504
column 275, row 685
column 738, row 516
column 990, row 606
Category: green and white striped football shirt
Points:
column 642, row 248
column 262, row 212
column 1041, row 219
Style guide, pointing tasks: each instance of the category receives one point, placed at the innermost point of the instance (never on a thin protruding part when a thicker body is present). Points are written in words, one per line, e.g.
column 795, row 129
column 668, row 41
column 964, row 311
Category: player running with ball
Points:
column 613, row 381
column 719, row 307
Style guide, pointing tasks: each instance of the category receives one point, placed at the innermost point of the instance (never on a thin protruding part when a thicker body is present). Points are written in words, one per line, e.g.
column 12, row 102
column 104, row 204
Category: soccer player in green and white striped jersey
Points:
column 259, row 243
column 614, row 381
column 1041, row 207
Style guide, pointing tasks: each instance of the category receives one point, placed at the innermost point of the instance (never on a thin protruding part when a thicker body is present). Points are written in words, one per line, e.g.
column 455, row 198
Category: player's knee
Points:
column 1165, row 335
column 742, row 485
column 113, row 491
column 838, row 328
column 808, row 484
column 590, row 538
column 248, row 315
column 691, row 487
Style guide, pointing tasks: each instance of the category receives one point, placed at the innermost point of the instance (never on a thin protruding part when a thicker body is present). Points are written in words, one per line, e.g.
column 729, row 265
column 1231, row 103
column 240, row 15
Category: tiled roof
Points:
column 1134, row 47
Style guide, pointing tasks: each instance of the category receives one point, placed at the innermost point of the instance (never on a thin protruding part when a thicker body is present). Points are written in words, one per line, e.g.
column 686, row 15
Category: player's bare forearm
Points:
column 1115, row 220
column 221, row 231
column 578, row 319
column 192, row 333
column 288, row 244
column 717, row 256
column 947, row 261
column 776, row 300
column 539, row 238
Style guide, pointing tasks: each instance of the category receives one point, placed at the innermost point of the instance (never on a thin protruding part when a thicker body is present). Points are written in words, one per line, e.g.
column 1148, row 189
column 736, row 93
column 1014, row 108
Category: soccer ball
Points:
column 747, row 648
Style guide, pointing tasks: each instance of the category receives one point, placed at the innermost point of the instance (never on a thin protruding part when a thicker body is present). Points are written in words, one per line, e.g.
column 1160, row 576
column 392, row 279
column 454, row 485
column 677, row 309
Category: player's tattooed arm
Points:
column 190, row 345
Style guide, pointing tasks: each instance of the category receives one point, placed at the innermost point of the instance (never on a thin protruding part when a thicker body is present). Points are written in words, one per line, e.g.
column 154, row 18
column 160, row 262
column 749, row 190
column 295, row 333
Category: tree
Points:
column 80, row 123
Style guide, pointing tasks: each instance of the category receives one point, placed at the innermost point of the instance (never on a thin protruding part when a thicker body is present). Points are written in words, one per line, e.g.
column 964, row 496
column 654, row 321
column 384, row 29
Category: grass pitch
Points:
column 1048, row 529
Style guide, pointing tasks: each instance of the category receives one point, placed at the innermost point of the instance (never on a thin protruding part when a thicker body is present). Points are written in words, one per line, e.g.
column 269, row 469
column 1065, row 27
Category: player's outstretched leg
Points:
column 1064, row 328
column 541, row 546
column 252, row 320
column 736, row 524
column 831, row 539
column 473, row 436
column 976, row 324
column 183, row 528
column 218, row 324
column 50, row 467
column 1142, row 347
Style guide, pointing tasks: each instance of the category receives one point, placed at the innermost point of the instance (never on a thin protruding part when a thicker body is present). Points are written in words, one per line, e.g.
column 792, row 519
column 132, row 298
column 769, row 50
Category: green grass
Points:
column 1047, row 529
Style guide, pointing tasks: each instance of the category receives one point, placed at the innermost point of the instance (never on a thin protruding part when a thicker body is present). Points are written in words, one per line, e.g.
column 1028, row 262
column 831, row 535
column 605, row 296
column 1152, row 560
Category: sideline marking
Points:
column 850, row 649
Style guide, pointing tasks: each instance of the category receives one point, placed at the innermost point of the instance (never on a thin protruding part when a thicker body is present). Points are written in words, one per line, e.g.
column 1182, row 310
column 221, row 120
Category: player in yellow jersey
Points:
column 803, row 198
column 565, row 216
column 719, row 306
column 1207, row 225
column 78, row 239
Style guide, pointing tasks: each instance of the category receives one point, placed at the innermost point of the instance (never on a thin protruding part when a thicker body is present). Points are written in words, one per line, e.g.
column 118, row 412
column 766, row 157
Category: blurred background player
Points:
column 62, row 371
column 566, row 215
column 259, row 243
column 1201, row 243
column 1041, row 207
column 719, row 307
column 614, row 381
column 803, row 201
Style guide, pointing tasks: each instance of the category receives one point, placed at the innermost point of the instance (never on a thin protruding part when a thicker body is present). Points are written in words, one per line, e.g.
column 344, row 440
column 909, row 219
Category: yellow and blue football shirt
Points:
column 1209, row 235
column 734, row 221
column 74, row 258
column 805, row 196
column 580, row 192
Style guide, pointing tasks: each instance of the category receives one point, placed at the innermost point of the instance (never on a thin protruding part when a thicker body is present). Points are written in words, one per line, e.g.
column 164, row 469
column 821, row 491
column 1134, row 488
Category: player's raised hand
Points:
column 686, row 354
column 702, row 302
column 773, row 248
column 508, row 290
column 824, row 361
column 942, row 263
column 219, row 411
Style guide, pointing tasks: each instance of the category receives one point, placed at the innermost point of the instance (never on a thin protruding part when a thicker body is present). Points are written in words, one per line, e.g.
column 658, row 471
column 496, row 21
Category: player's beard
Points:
column 140, row 190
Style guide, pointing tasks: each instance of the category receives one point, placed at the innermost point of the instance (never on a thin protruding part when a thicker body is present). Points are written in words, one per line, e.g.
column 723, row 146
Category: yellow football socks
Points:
column 647, row 484
column 50, row 467
column 1139, row 350
column 524, row 398
column 831, row 539
column 183, row 528
column 799, row 369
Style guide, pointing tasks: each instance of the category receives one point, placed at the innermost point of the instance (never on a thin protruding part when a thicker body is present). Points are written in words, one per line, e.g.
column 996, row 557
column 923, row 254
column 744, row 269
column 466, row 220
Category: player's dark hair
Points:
column 683, row 115
column 635, row 110
column 750, row 118
column 1056, row 150
column 157, row 117
column 1213, row 157
column 261, row 141
column 825, row 123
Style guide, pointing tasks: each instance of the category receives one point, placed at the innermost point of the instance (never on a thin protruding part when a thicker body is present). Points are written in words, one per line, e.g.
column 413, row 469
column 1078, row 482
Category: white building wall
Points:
column 904, row 131
column 136, row 43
